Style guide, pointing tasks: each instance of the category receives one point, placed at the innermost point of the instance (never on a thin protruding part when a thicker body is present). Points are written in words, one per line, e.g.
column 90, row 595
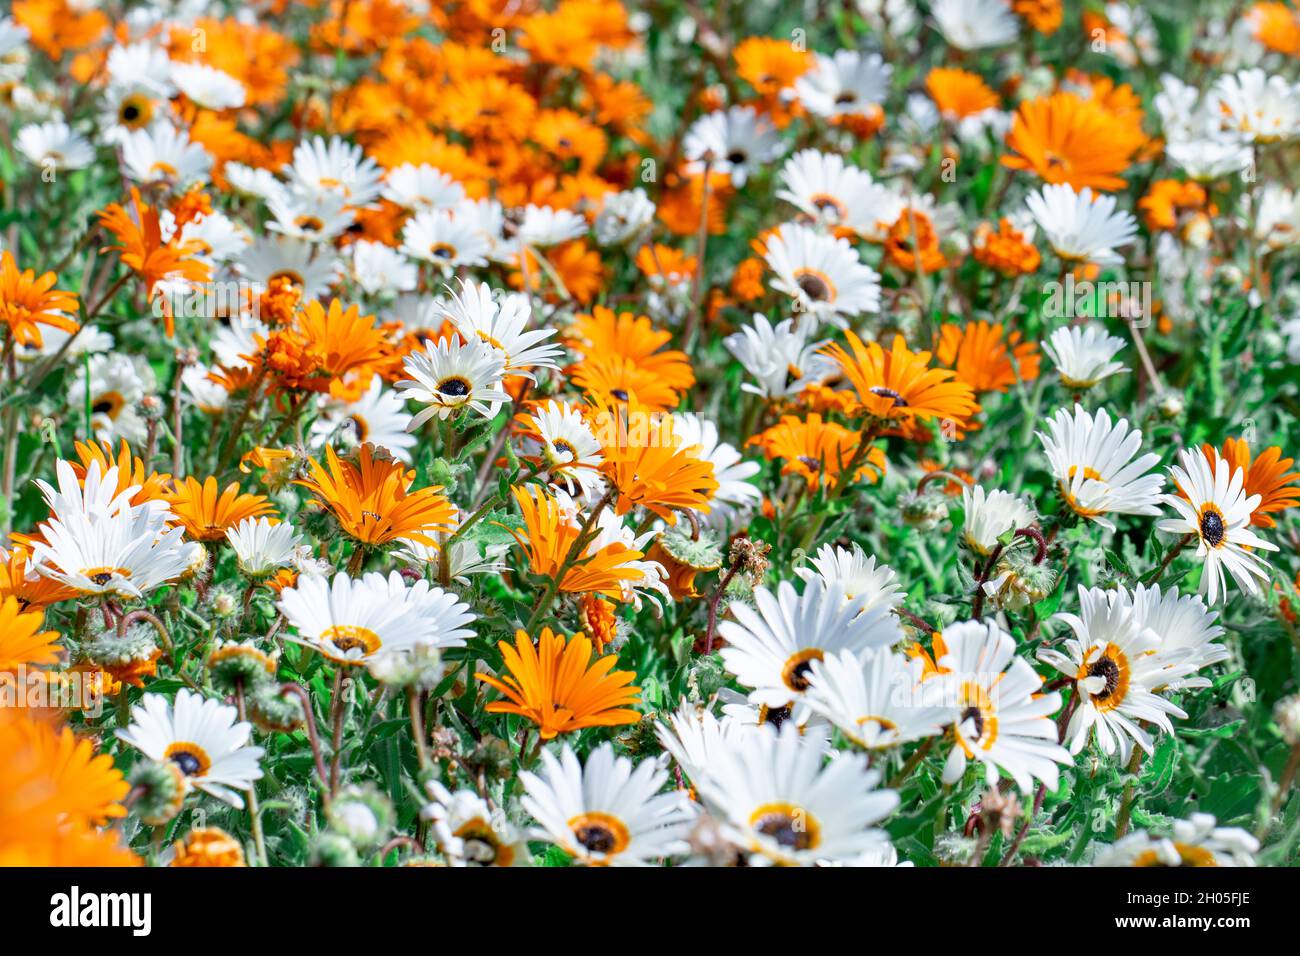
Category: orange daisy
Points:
column 373, row 500
column 141, row 249
column 130, row 470
column 1005, row 249
column 1043, row 15
column 643, row 461
column 817, row 451
column 22, row 641
column 26, row 303
column 57, row 793
column 983, row 359
column 770, row 65
column 556, row 685
column 959, row 93
column 1064, row 138
column 1276, row 26
column 206, row 514
column 20, row 580
column 547, row 539
column 900, row 383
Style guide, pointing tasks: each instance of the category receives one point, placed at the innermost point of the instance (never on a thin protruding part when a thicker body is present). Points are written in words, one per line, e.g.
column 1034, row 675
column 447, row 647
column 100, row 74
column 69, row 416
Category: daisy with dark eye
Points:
column 822, row 274
column 732, row 142
column 448, row 377
column 566, row 447
column 771, row 646
column 1113, row 663
column 834, row 194
column 445, row 239
column 1003, row 717
column 608, row 812
column 786, row 806
column 900, row 384
column 205, row 739
column 501, row 321
column 1097, row 466
column 1217, row 512
column 354, row 621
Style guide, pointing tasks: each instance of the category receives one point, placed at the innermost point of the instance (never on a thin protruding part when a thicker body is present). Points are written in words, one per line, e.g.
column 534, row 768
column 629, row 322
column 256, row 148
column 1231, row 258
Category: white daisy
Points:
column 732, row 141
column 501, row 322
column 1095, row 468
column 204, row 738
column 464, row 560
column 834, row 194
column 141, row 65
column 470, row 833
column 1187, row 635
column 379, row 416
column 447, row 377
column 126, row 552
column 1112, row 663
column 569, row 451
column 1004, row 718
column 781, row 802
column 856, row 574
column 624, row 218
column 284, row 257
column 1217, row 511
column 350, row 621
column 1083, row 355
column 54, row 145
column 975, row 24
column 822, row 274
column 608, row 812
column 445, row 239
column 1256, row 107
column 1196, row 841
column 253, row 181
column 846, row 84
column 164, row 154
column 262, row 546
column 543, row 226
column 382, row 270
column 310, row 218
column 1079, row 226
column 991, row 515
column 782, row 357
column 421, row 187
column 876, row 698
column 334, row 169
column 112, row 385
column 1205, row 159
column 770, row 647
column 207, row 86
column 441, row 614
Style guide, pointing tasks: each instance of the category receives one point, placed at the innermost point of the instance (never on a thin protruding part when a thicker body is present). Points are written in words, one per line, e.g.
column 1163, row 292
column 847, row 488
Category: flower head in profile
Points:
column 207, row 514
column 555, row 684
column 27, row 303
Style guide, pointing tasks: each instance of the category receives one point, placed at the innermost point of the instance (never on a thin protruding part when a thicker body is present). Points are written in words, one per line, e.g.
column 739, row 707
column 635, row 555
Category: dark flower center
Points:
column 596, row 837
column 814, row 287
column 189, row 764
column 455, row 387
column 1212, row 529
column 899, row 400
column 973, row 714
column 1107, row 668
column 781, row 828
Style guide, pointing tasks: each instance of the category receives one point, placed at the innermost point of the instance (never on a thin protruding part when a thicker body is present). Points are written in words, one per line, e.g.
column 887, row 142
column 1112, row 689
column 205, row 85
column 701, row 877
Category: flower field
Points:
column 672, row 433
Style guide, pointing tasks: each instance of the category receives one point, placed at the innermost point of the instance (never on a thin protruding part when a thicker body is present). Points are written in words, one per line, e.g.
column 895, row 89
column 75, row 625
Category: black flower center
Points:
column 736, row 157
column 776, row 716
column 454, row 387
column 973, row 714
column 1108, row 669
column 814, row 287
column 781, row 828
column 1212, row 529
column 189, row 764
column 596, row 837
column 883, row 392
